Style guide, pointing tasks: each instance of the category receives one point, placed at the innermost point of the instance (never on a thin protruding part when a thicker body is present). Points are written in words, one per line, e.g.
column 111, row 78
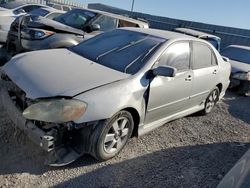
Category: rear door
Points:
column 205, row 69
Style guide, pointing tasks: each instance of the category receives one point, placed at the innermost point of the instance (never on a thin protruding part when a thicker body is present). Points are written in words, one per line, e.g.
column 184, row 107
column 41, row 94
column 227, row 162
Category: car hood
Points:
column 3, row 9
column 59, row 72
column 239, row 66
column 52, row 25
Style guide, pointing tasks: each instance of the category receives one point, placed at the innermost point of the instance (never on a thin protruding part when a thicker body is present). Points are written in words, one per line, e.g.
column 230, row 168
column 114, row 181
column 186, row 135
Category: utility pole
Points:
column 132, row 8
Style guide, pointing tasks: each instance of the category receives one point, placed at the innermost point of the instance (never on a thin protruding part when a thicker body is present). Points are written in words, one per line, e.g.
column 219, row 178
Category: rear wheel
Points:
column 111, row 135
column 211, row 101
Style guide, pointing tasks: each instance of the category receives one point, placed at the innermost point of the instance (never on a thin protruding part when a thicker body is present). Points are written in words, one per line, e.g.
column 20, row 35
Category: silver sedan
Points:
column 93, row 97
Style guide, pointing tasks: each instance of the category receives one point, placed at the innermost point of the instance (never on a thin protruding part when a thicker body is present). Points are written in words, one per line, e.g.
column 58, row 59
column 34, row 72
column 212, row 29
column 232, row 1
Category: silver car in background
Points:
column 93, row 97
column 10, row 11
column 240, row 61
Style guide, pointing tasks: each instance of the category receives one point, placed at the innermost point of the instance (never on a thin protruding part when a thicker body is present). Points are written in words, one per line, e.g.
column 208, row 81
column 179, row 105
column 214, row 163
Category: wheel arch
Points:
column 136, row 118
column 219, row 86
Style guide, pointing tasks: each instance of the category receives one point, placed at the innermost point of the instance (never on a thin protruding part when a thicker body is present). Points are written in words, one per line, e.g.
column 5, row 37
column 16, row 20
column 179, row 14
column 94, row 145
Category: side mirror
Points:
column 91, row 28
column 95, row 27
column 165, row 71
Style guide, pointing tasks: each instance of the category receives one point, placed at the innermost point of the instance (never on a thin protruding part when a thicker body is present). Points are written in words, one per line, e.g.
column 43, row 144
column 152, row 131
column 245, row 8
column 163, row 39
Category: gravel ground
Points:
column 195, row 151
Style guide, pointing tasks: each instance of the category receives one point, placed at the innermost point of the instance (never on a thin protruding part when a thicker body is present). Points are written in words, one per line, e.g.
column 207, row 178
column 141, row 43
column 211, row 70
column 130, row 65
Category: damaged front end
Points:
column 62, row 140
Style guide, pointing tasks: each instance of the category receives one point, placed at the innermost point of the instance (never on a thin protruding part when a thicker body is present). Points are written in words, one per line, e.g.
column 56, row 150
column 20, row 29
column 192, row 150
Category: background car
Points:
column 60, row 7
column 69, row 29
column 239, row 175
column 214, row 40
column 91, row 98
column 47, row 12
column 240, row 61
column 10, row 11
column 13, row 44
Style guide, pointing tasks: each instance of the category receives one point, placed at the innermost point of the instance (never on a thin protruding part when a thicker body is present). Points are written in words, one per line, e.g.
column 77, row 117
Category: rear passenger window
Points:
column 106, row 23
column 177, row 55
column 123, row 23
column 65, row 8
column 202, row 56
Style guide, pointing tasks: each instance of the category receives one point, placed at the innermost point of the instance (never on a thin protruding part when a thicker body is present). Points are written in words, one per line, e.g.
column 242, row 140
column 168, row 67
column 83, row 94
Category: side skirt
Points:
column 143, row 129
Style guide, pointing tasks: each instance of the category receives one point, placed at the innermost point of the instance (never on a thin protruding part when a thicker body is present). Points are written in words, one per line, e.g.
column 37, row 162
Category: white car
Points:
column 46, row 12
column 240, row 74
column 10, row 11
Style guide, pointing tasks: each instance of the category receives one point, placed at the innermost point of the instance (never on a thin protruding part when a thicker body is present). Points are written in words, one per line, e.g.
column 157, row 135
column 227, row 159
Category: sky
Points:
column 233, row 13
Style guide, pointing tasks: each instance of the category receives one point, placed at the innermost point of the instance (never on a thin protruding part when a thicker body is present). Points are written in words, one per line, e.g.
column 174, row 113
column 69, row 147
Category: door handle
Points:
column 189, row 78
column 215, row 71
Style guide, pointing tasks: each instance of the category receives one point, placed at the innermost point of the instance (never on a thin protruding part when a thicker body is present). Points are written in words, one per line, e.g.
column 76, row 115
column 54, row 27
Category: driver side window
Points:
column 177, row 55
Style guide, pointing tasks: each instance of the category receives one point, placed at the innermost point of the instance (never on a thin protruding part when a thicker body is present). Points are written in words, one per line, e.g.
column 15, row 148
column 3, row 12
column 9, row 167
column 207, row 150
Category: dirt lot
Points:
column 195, row 151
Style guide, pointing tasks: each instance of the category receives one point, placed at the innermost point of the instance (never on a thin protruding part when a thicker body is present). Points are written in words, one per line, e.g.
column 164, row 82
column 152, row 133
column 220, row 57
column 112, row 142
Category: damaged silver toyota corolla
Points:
column 93, row 97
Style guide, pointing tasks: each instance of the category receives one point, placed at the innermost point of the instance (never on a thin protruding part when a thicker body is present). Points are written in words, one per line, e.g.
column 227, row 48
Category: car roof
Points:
column 51, row 9
column 195, row 33
column 160, row 33
column 139, row 22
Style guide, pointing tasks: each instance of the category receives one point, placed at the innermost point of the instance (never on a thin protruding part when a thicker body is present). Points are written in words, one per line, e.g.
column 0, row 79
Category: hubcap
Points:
column 212, row 99
column 117, row 135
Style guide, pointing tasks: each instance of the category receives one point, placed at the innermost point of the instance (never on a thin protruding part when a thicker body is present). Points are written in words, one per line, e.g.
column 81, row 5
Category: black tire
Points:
column 211, row 101
column 102, row 148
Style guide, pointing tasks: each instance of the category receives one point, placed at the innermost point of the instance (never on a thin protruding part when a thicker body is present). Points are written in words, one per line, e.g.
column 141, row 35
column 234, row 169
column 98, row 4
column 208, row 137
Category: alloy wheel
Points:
column 211, row 100
column 117, row 135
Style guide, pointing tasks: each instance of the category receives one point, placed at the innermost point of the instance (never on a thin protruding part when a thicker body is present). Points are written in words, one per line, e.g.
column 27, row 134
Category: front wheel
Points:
column 112, row 135
column 211, row 101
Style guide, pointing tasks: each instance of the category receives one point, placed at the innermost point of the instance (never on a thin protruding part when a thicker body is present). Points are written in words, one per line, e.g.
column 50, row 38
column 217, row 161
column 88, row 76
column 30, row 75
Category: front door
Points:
column 167, row 95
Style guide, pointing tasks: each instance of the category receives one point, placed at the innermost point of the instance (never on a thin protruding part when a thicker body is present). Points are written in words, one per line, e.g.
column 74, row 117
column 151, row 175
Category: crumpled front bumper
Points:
column 38, row 136
column 58, row 155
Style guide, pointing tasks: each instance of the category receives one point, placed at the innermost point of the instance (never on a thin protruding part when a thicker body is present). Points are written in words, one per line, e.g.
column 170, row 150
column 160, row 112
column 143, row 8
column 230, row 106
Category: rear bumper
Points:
column 38, row 136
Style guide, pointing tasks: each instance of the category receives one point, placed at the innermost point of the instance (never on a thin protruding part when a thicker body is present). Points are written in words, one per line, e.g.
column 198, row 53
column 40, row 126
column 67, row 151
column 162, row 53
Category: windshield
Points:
column 122, row 50
column 39, row 12
column 76, row 18
column 11, row 5
column 237, row 54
